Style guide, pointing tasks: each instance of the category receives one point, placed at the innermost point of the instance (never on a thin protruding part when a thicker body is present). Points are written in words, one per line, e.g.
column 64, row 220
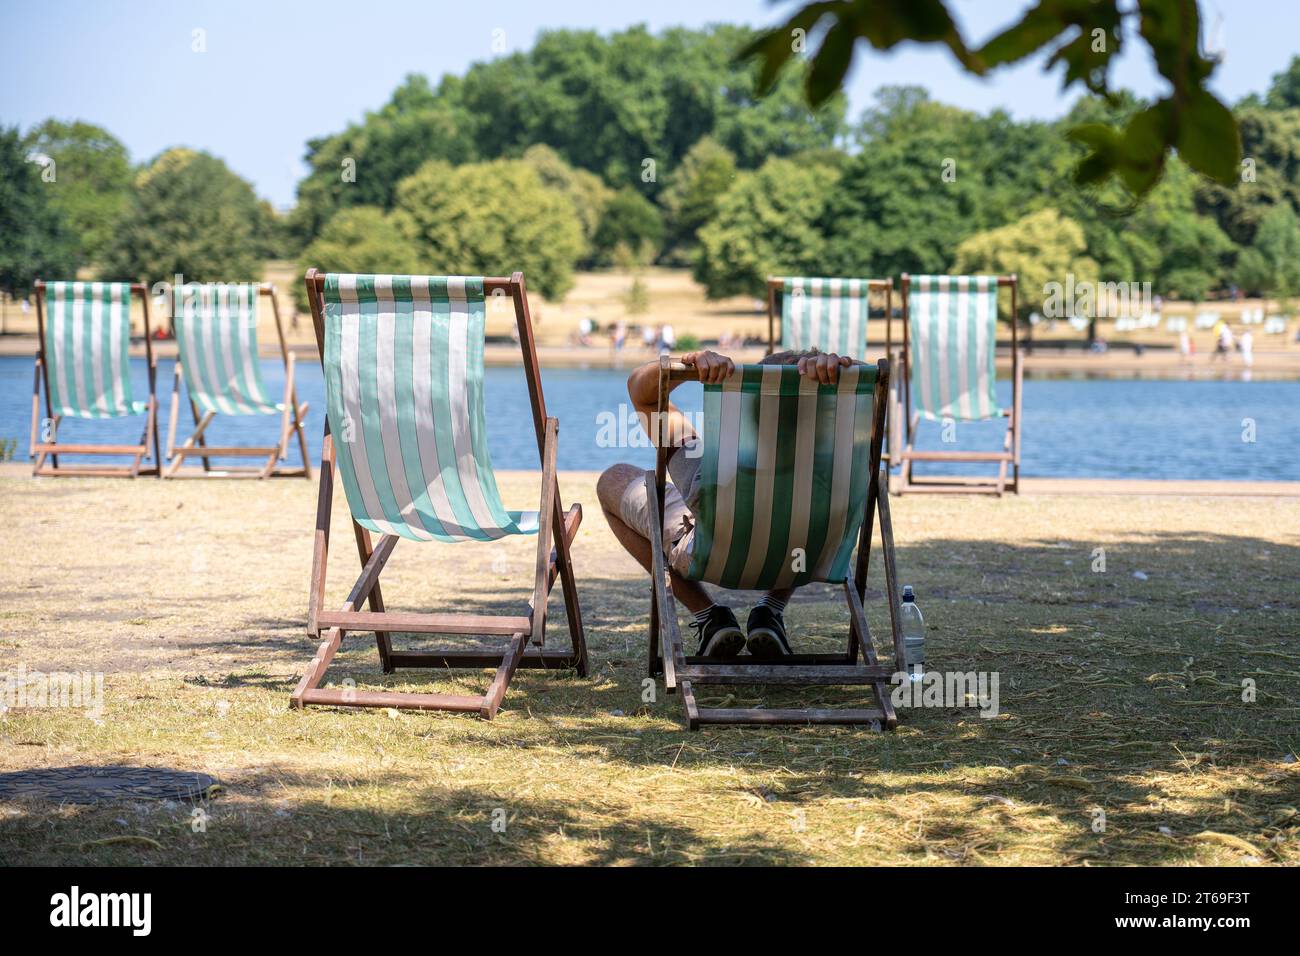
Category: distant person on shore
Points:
column 618, row 336
column 1223, row 344
column 1246, row 345
column 649, row 336
column 626, row 504
column 1185, row 347
column 667, row 338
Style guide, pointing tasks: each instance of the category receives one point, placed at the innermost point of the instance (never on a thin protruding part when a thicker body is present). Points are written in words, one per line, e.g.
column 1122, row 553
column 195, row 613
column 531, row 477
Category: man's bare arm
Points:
column 643, row 390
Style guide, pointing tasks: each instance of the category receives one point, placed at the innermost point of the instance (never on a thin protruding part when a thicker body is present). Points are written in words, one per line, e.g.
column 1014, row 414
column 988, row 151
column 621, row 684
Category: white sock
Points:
column 775, row 605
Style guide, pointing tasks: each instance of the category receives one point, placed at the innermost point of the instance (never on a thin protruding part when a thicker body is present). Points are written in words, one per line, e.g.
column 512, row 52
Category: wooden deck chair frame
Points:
column 904, row 423
column 776, row 286
column 557, row 529
column 196, row 446
column 42, row 450
column 859, row 664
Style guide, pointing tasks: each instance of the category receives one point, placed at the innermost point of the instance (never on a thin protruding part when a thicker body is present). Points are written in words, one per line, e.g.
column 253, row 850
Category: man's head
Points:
column 788, row 357
column 822, row 366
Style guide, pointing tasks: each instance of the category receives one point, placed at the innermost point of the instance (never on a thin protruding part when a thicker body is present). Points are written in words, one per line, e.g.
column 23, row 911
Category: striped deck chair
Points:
column 216, row 333
column 948, row 375
column 829, row 315
column 405, row 429
column 789, row 484
column 83, row 363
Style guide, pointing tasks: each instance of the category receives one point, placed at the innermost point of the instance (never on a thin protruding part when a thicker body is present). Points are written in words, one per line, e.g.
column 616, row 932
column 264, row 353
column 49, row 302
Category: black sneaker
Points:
column 766, row 633
column 720, row 634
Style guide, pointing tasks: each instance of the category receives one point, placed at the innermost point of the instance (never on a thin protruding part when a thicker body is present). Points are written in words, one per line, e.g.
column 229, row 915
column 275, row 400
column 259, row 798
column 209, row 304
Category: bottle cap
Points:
column 907, row 593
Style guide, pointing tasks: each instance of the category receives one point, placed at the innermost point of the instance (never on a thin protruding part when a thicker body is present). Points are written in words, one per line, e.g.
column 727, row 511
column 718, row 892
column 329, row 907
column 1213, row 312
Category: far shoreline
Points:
column 1042, row 362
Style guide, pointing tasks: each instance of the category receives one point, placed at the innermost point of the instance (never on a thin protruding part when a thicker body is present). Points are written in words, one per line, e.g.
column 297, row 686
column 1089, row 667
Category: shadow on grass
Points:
column 278, row 817
column 1119, row 694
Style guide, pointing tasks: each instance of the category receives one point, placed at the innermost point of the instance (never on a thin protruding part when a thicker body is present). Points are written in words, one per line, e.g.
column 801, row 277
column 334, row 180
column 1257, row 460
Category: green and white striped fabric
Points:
column 783, row 477
column 404, row 396
column 826, row 314
column 216, row 331
column 953, row 332
column 87, row 338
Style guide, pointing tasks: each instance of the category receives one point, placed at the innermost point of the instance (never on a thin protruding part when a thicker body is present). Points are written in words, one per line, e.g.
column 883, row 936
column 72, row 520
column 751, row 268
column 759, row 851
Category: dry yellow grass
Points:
column 1118, row 695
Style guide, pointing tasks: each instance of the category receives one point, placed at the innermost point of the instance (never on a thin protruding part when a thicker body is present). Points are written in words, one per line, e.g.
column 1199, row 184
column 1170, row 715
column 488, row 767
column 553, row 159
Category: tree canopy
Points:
column 189, row 214
column 1040, row 248
column 766, row 224
column 626, row 107
column 491, row 219
column 35, row 240
column 89, row 179
column 364, row 239
column 590, row 150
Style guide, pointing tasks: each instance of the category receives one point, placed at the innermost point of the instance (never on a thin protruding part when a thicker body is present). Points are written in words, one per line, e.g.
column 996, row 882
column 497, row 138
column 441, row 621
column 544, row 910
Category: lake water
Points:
column 1106, row 428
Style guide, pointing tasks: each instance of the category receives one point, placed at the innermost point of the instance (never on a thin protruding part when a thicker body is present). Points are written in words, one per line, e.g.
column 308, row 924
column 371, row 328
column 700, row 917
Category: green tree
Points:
column 610, row 103
column 491, row 219
column 188, row 214
column 584, row 189
column 1041, row 248
column 1284, row 91
column 693, row 189
column 1270, row 145
column 916, row 187
column 1194, row 251
column 626, row 106
column 35, row 240
column 274, row 236
column 1103, row 210
column 362, row 165
column 766, row 224
column 1271, row 266
column 364, row 239
column 631, row 220
column 1166, row 240
column 91, row 182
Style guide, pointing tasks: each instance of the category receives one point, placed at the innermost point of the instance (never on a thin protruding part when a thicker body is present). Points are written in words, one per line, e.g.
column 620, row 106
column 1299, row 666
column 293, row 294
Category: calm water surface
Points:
column 1116, row 428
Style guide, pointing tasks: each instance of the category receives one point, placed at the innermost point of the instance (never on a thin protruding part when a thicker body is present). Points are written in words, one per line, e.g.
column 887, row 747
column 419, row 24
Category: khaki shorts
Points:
column 678, row 531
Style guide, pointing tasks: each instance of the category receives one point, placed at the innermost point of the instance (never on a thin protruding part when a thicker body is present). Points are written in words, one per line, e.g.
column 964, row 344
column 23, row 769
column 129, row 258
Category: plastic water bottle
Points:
column 913, row 635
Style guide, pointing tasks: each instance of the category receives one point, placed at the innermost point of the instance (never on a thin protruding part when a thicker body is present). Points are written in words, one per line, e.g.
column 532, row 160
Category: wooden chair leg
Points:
column 547, row 529
column 300, row 426
column 192, row 444
column 891, row 581
column 569, row 588
column 382, row 639
column 320, row 548
column 858, row 625
column 36, row 407
column 496, row 692
column 175, row 410
column 200, row 424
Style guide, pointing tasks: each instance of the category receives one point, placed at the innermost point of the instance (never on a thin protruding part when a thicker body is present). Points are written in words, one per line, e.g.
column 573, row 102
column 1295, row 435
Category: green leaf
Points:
column 1097, row 135
column 1038, row 28
column 830, row 65
column 1208, row 139
column 1144, row 145
column 776, row 46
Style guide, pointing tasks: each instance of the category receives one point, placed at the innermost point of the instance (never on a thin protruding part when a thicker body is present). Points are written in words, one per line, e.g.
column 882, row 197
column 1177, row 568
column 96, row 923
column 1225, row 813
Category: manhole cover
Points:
column 94, row 784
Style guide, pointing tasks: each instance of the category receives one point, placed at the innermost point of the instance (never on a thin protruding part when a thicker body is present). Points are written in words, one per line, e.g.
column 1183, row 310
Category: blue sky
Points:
column 279, row 72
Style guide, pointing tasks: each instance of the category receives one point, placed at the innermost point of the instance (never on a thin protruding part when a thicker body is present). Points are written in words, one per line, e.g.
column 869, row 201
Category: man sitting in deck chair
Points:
column 623, row 498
